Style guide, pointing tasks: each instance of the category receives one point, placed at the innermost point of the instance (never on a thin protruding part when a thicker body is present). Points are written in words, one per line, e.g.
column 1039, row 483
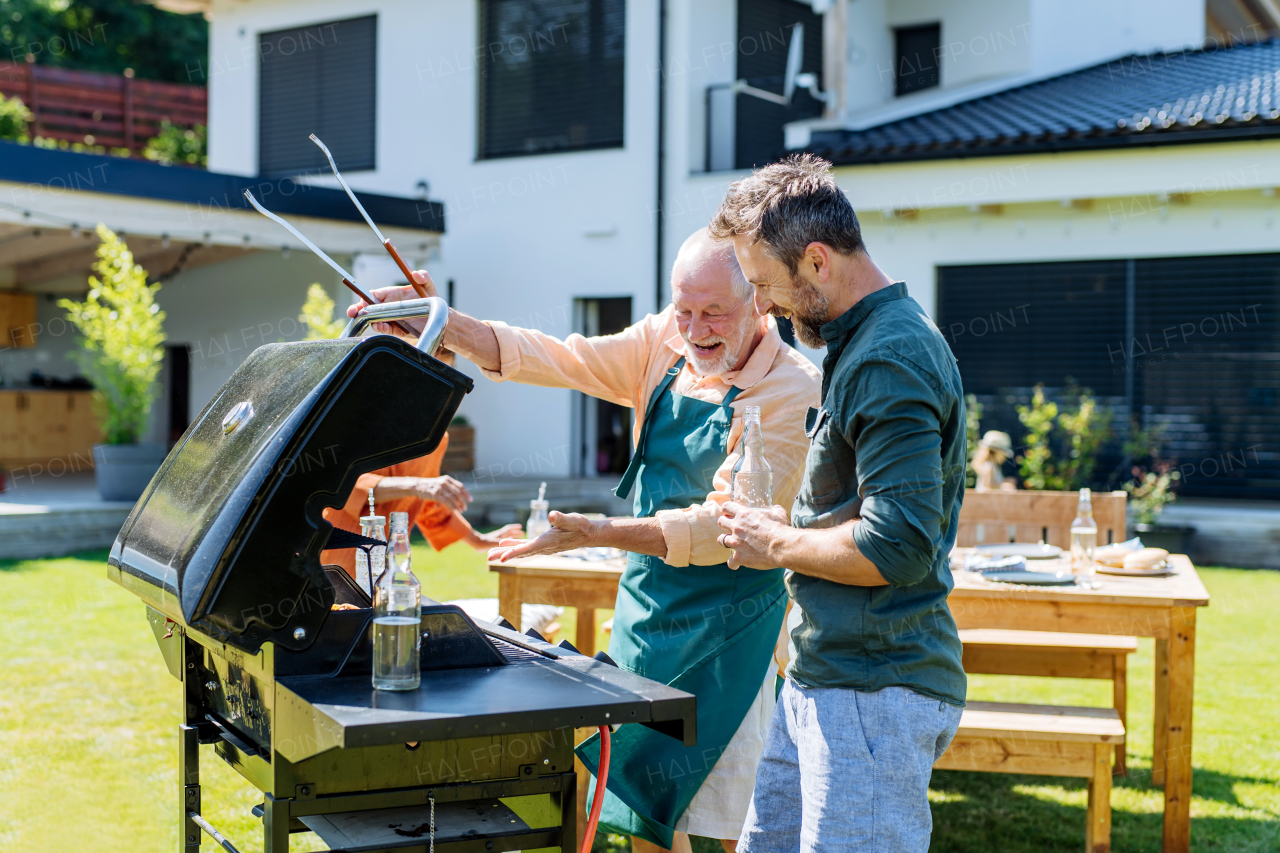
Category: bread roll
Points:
column 1146, row 559
column 1111, row 555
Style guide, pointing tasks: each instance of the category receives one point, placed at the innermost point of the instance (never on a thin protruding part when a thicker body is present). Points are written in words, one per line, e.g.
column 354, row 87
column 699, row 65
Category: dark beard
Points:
column 809, row 314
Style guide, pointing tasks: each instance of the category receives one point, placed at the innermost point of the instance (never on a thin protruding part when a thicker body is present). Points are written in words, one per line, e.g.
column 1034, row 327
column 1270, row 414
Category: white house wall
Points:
column 525, row 235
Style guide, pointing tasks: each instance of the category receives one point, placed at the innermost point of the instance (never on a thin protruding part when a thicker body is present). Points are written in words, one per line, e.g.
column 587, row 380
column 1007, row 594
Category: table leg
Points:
column 510, row 599
column 586, row 636
column 1160, row 713
column 1120, row 701
column 1180, row 682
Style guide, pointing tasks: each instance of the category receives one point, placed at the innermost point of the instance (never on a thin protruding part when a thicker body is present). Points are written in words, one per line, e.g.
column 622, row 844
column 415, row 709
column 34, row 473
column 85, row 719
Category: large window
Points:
column 916, row 59
column 319, row 79
column 1184, row 346
column 551, row 75
column 765, row 28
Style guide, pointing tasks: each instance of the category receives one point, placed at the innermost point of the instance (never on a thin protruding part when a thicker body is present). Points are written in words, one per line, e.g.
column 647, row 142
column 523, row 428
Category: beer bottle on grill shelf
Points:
column 752, row 476
column 370, row 562
column 397, row 616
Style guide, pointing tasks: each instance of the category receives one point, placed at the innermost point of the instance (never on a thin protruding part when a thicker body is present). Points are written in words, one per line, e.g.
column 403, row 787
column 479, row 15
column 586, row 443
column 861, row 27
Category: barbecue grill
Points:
column 223, row 547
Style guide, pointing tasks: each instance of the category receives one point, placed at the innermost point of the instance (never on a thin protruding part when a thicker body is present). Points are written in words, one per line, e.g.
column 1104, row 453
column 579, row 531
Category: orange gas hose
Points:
column 602, row 779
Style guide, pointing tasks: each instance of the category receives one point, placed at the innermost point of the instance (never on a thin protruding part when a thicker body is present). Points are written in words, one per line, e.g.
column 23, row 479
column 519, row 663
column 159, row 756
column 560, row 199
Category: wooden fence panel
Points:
column 101, row 109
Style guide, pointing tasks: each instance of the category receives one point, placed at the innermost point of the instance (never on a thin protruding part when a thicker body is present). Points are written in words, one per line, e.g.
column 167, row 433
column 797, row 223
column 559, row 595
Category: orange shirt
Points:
column 439, row 525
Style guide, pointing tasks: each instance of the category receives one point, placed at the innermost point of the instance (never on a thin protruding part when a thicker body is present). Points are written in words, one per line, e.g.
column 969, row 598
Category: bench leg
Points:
column 1097, row 835
column 1120, row 701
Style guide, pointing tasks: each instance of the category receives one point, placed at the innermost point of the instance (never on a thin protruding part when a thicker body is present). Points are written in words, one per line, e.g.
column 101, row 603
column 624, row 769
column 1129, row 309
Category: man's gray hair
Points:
column 788, row 205
column 701, row 249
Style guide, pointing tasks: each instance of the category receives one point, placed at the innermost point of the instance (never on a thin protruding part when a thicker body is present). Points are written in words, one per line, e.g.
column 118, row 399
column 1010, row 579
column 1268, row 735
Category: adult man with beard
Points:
column 874, row 692
column 683, row 617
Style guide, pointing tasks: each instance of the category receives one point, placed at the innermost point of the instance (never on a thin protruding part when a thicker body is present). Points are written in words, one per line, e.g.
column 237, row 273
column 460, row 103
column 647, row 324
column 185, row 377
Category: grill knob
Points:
column 239, row 414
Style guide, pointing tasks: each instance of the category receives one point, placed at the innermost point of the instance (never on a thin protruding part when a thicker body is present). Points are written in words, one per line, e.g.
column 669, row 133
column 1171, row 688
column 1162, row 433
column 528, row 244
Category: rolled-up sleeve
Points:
column 610, row 367
column 896, row 432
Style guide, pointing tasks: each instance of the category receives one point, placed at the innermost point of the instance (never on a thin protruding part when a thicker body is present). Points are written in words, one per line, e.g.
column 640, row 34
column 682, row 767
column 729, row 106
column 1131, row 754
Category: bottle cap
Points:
column 536, row 504
column 399, row 522
column 372, row 519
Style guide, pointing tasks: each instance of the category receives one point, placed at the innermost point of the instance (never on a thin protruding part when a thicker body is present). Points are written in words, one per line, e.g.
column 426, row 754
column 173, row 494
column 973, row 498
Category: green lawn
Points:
column 88, row 716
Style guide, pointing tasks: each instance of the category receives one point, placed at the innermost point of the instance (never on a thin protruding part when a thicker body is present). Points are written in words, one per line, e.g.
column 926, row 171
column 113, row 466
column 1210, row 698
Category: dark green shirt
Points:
column 888, row 447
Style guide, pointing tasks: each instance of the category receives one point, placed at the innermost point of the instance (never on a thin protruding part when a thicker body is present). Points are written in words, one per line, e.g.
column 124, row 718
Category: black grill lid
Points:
column 227, row 536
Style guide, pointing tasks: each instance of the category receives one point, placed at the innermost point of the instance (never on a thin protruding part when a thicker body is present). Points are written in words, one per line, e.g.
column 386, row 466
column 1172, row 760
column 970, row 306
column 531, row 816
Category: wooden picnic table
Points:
column 1162, row 608
column 585, row 585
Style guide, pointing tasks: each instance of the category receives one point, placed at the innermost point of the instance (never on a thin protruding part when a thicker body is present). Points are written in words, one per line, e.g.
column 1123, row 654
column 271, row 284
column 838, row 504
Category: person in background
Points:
column 435, row 504
column 994, row 448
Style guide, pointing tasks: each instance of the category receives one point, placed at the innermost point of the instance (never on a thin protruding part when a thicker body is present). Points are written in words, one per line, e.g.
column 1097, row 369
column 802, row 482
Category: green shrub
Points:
column 1151, row 492
column 972, row 419
column 14, row 118
column 123, row 332
column 317, row 316
column 1061, row 447
column 187, row 146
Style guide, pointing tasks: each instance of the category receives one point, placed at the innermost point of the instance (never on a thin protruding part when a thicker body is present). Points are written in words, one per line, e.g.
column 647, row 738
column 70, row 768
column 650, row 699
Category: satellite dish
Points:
column 795, row 59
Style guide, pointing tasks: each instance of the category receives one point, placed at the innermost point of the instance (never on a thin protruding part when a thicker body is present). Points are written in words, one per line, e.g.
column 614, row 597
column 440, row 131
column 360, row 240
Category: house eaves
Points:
column 56, row 171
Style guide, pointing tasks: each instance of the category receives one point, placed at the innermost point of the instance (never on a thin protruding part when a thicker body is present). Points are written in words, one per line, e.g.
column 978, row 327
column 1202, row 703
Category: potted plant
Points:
column 121, row 352
column 1149, row 493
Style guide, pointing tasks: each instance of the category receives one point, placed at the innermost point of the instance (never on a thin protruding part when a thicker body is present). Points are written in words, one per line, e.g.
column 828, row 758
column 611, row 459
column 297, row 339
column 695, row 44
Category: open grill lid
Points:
column 227, row 536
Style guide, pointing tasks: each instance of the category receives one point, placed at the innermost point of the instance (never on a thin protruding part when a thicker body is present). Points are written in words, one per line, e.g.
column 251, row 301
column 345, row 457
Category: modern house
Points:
column 1072, row 190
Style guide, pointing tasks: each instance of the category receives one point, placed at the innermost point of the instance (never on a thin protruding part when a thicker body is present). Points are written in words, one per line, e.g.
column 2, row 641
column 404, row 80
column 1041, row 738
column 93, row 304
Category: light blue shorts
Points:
column 845, row 770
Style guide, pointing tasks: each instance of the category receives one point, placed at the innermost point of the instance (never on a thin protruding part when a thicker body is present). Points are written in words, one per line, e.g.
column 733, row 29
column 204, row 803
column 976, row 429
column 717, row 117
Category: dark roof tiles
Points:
column 1191, row 96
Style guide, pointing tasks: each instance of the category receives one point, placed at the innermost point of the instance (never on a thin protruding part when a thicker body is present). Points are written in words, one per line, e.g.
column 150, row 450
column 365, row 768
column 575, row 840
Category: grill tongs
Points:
column 347, row 278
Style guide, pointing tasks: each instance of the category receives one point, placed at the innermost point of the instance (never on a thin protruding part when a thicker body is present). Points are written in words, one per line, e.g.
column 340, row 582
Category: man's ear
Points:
column 817, row 257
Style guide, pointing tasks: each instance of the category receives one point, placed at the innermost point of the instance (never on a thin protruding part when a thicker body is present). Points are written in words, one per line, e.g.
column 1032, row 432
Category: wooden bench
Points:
column 1055, row 655
column 1043, row 740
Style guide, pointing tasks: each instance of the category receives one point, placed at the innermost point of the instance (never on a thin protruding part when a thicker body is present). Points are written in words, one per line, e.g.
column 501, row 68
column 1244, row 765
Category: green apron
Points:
column 707, row 630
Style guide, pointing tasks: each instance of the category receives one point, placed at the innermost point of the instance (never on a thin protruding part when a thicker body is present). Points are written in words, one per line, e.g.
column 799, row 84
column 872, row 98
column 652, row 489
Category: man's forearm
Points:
column 830, row 554
column 637, row 535
column 472, row 339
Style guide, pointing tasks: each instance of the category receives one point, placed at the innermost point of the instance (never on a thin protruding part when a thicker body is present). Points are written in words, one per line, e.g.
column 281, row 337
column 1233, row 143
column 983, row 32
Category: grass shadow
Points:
column 98, row 555
column 980, row 812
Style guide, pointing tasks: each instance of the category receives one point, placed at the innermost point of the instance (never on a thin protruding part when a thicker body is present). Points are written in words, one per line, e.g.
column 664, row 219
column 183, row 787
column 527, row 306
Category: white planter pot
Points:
column 123, row 471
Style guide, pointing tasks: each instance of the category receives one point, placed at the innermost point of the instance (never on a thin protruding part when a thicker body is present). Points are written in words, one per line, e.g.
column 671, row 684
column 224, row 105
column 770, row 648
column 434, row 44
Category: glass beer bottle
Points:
column 752, row 476
column 397, row 616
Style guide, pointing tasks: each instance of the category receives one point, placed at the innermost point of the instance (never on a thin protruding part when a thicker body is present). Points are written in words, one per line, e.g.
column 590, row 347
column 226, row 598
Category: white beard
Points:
column 717, row 365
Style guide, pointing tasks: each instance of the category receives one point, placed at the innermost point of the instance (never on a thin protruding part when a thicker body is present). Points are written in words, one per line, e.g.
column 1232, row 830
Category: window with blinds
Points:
column 320, row 79
column 551, row 76
column 1187, row 345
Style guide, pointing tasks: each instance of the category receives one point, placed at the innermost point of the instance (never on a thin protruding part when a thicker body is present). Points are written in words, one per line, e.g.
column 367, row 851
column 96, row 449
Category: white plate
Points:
column 1027, row 550
column 1163, row 570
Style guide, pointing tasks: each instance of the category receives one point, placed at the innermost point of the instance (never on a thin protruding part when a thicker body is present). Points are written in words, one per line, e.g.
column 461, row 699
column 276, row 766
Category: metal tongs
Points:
column 383, row 239
column 347, row 278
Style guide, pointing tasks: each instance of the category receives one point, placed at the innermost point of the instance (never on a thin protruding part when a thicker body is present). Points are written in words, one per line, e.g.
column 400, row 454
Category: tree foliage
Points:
column 1062, row 447
column 122, row 331
column 317, row 316
column 108, row 36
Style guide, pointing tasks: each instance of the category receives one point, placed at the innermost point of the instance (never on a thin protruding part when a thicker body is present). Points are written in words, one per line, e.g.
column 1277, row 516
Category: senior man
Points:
column 874, row 693
column 683, row 617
